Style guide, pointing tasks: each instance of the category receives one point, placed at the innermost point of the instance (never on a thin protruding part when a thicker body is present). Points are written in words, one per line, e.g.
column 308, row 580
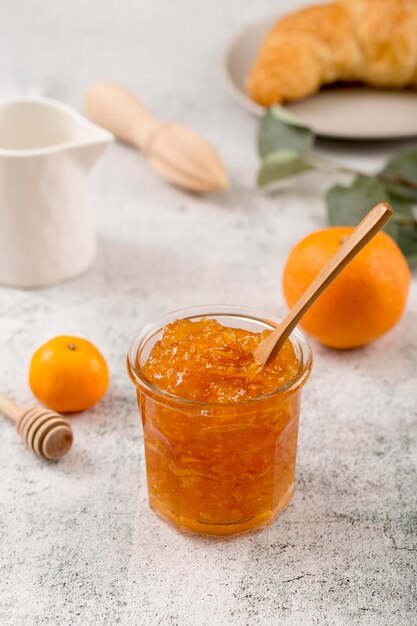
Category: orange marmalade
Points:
column 221, row 442
column 207, row 362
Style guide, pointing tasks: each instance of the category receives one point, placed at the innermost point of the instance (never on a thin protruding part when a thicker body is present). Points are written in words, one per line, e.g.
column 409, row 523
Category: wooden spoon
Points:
column 368, row 228
column 45, row 432
column 177, row 153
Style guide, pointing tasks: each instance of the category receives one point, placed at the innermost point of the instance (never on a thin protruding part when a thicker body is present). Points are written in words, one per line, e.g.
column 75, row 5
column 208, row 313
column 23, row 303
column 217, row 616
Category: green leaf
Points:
column 347, row 205
column 406, row 235
column 278, row 130
column 407, row 240
column 403, row 165
column 279, row 165
column 282, row 114
column 402, row 192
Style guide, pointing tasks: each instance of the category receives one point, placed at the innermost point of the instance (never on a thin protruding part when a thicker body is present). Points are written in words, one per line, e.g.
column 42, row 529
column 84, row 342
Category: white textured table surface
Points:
column 78, row 543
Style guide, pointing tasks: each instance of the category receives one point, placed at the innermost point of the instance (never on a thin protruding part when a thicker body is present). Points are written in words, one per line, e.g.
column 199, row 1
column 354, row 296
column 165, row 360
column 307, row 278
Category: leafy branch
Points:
column 286, row 150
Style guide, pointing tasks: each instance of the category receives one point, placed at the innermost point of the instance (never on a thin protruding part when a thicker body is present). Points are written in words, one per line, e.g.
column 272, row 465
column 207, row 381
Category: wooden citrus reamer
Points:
column 178, row 154
column 45, row 432
column 366, row 229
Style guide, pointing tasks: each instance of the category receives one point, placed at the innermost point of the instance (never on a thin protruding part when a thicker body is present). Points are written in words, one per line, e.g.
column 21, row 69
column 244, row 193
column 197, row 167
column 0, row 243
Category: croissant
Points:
column 370, row 41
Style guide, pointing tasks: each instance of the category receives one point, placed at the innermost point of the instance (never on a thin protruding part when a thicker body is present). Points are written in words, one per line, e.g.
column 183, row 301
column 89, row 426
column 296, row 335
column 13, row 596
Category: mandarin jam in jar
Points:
column 220, row 430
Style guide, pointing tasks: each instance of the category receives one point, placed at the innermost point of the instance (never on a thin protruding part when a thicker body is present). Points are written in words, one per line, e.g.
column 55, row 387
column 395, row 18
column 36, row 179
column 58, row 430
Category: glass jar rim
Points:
column 249, row 313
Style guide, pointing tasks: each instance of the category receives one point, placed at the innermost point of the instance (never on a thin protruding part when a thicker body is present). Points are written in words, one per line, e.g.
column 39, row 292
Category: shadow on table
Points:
column 384, row 357
column 367, row 148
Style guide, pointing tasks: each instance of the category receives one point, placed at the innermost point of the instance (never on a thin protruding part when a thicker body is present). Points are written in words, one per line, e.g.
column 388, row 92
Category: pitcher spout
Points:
column 89, row 152
column 89, row 141
column 42, row 126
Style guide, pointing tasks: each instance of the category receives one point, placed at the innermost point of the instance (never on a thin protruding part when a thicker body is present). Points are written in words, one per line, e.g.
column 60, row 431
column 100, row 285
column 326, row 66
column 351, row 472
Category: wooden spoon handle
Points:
column 368, row 228
column 10, row 408
column 117, row 109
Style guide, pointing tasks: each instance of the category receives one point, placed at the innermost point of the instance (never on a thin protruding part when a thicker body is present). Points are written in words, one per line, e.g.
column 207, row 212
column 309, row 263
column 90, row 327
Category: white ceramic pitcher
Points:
column 47, row 231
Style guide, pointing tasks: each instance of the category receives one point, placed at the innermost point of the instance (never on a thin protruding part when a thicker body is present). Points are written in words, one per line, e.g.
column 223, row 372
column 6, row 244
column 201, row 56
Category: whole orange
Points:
column 68, row 374
column 367, row 298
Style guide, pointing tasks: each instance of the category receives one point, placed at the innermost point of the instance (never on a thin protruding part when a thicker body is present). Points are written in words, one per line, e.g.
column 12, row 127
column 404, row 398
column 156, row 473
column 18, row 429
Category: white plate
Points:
column 338, row 112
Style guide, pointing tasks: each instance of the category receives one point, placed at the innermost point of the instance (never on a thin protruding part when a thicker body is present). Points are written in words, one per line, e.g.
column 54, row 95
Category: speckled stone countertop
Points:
column 78, row 545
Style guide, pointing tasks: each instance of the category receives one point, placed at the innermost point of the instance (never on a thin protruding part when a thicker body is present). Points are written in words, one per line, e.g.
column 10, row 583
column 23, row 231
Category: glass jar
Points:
column 219, row 469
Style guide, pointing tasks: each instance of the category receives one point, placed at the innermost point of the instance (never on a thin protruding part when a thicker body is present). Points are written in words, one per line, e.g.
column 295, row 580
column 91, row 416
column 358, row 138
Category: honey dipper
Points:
column 45, row 432
column 178, row 154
